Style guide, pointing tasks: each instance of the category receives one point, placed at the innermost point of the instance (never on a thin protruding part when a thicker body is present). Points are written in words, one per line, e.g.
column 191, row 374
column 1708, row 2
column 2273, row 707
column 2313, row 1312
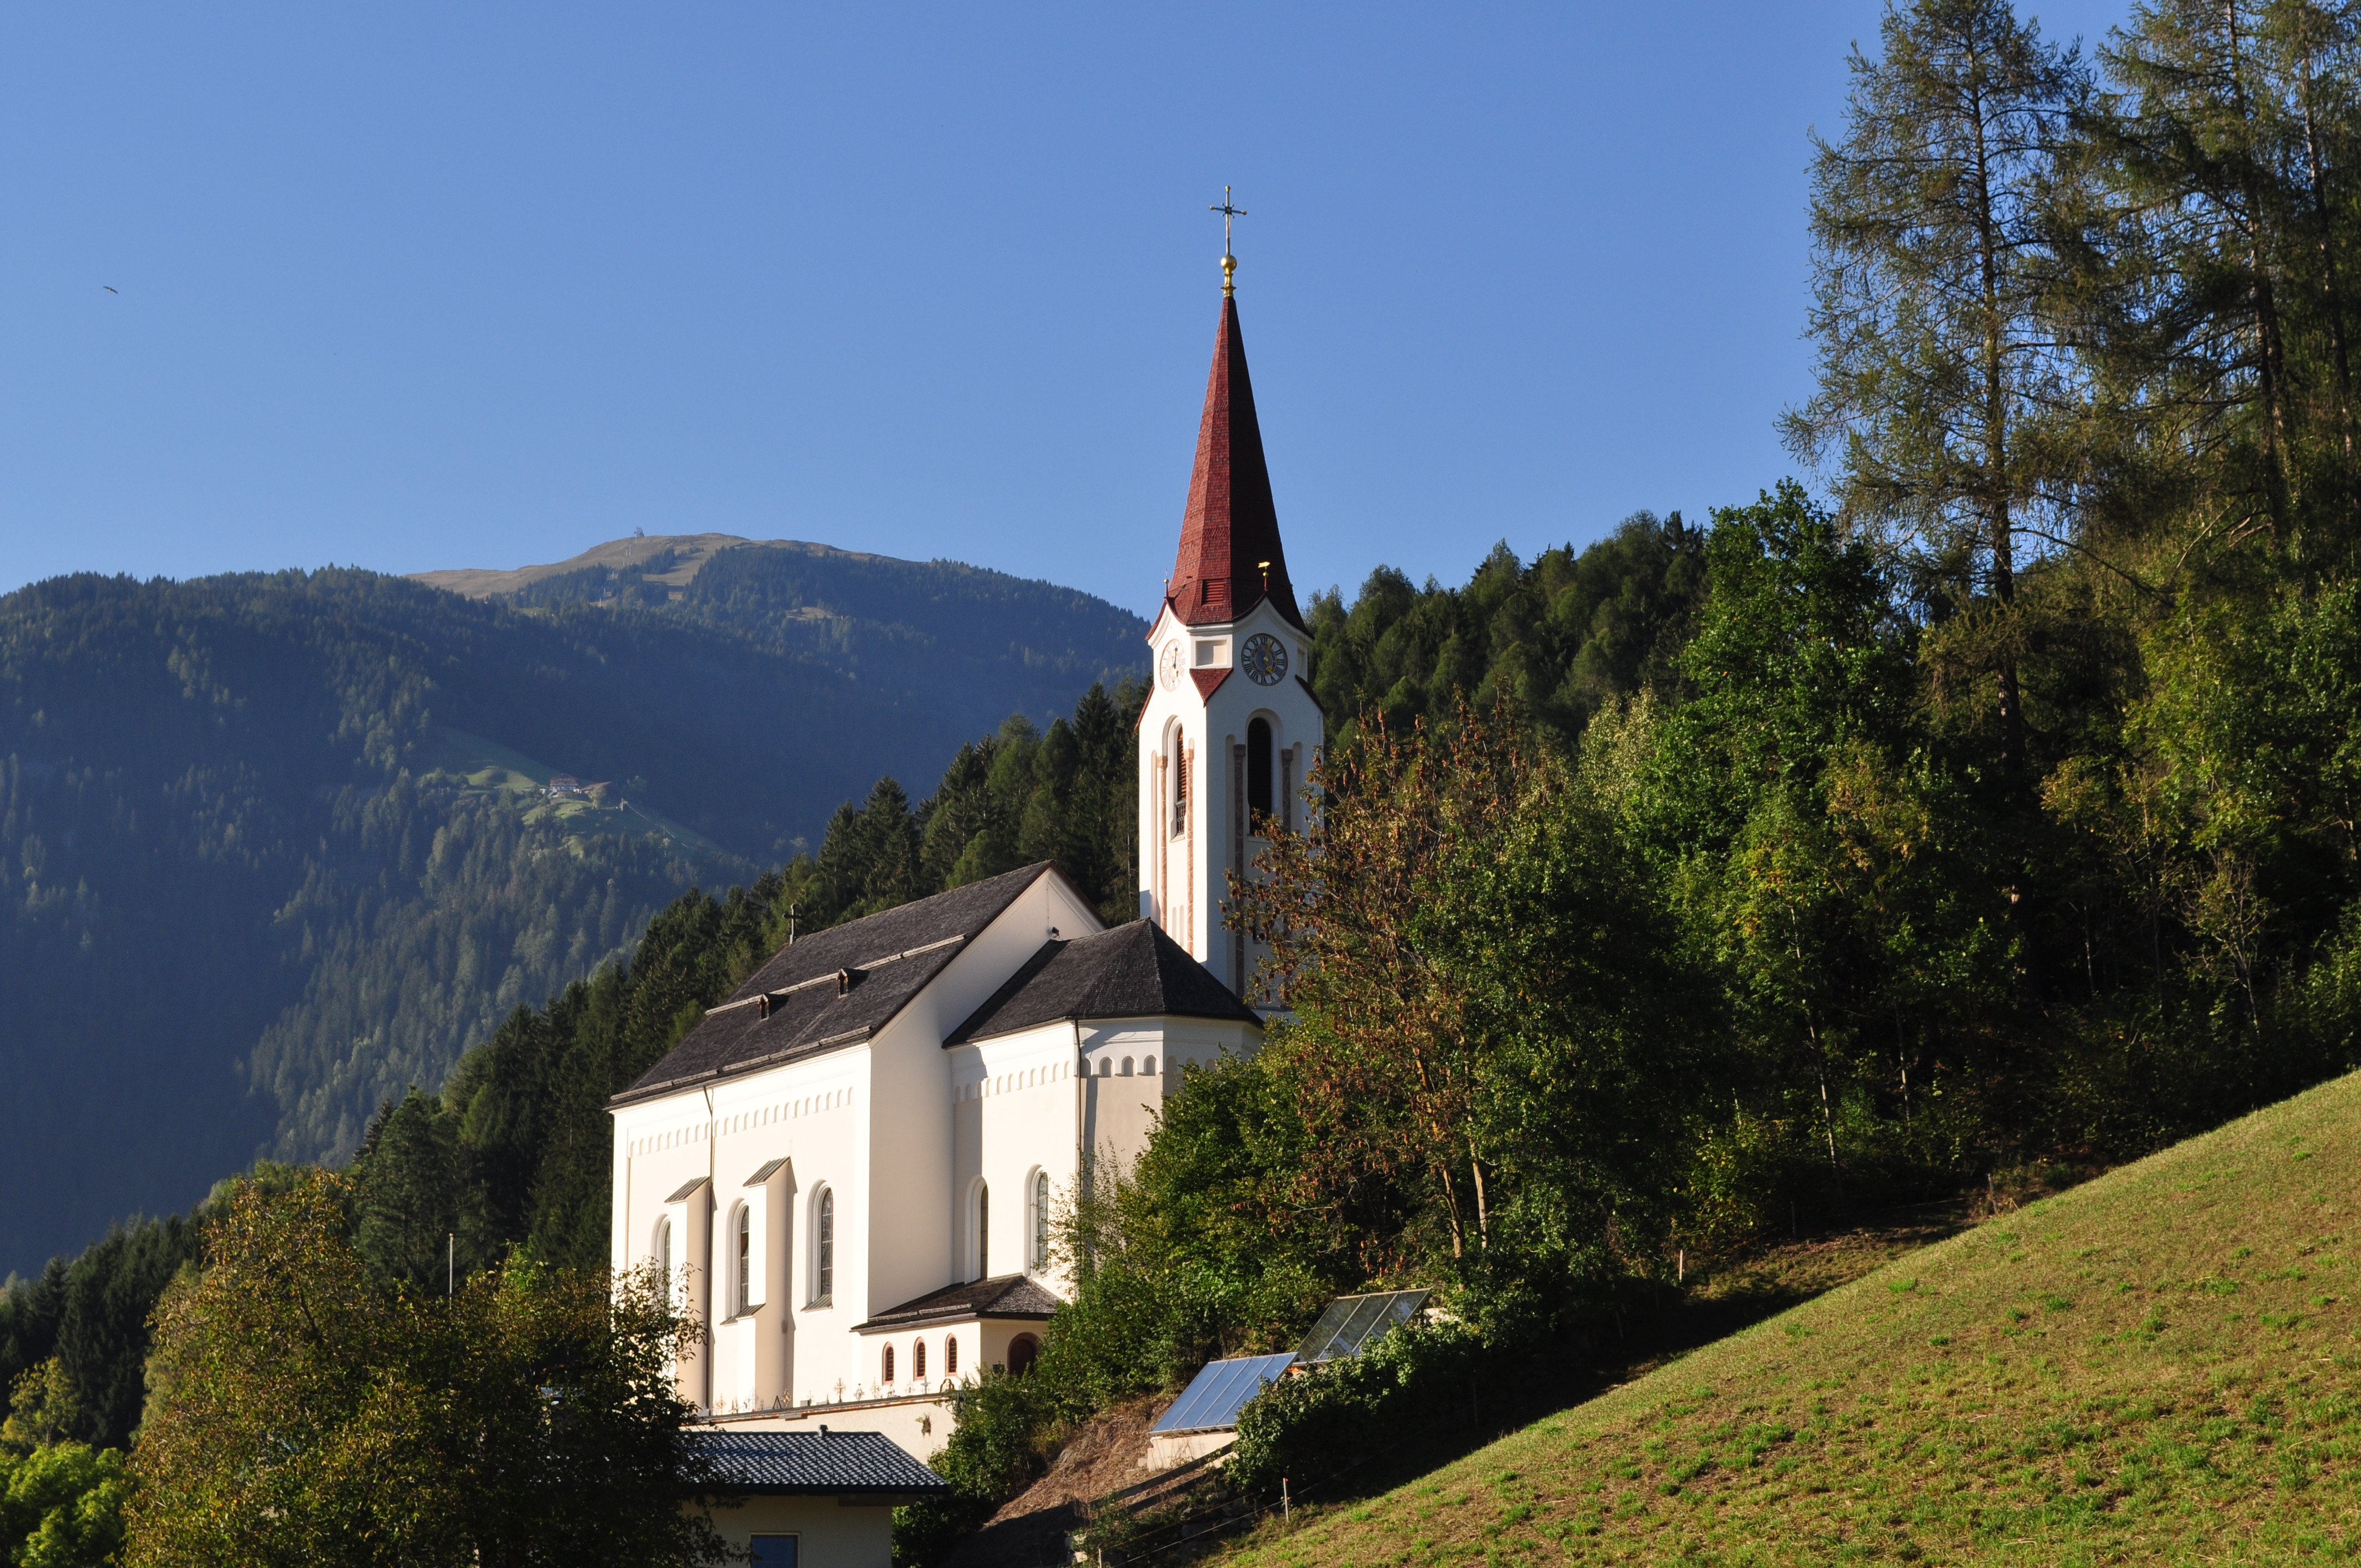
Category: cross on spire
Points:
column 1229, row 209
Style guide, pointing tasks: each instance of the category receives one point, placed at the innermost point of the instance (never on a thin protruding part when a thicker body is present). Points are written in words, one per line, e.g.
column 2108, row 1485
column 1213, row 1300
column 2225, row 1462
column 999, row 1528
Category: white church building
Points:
column 849, row 1168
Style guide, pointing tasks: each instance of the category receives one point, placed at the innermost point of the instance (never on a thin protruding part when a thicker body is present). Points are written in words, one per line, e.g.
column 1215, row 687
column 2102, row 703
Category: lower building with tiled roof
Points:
column 811, row 1499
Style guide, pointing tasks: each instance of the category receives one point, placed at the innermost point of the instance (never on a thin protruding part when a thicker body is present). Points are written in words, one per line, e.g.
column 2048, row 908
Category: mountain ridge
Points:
column 275, row 846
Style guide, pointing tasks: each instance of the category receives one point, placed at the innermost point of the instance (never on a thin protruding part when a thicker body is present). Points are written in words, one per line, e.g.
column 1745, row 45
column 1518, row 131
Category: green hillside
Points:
column 2159, row 1366
column 275, row 846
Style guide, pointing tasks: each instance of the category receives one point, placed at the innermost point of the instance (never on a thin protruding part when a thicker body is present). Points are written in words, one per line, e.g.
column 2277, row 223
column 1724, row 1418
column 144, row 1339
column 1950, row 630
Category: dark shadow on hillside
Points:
column 1719, row 1299
column 1717, row 1302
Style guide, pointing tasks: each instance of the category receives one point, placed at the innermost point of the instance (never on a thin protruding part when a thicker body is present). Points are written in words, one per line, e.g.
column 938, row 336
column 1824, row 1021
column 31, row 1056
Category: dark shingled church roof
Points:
column 1131, row 971
column 834, row 987
column 1004, row 1296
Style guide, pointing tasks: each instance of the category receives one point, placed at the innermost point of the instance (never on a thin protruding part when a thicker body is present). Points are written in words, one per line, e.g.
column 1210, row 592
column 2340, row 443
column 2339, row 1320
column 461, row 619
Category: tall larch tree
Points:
column 1939, row 376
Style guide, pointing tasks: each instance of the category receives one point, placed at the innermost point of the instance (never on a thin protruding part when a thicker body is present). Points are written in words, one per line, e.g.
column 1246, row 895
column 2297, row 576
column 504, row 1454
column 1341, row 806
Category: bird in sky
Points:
column 110, row 287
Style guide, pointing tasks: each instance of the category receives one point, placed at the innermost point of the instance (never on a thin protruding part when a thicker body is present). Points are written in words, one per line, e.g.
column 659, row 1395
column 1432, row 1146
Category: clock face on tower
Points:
column 1265, row 660
column 1170, row 664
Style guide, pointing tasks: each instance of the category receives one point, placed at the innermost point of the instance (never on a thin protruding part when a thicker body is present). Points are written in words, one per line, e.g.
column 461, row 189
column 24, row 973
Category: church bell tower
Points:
column 1231, row 726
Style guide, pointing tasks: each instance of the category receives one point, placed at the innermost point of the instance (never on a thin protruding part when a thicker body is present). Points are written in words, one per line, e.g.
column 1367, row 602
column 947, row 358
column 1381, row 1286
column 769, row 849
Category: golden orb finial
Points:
column 1229, row 209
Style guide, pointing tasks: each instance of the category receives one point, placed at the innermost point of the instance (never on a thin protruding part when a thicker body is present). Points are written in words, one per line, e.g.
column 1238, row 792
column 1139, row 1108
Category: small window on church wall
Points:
column 1041, row 1221
column 824, row 1251
column 1258, row 794
column 983, row 1232
column 918, row 1361
column 888, row 1374
column 745, row 1258
column 950, row 1356
column 662, row 1251
column 1179, row 772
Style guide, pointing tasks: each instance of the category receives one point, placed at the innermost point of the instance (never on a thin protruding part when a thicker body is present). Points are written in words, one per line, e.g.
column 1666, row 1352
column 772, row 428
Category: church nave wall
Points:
column 683, row 1169
column 1016, row 1096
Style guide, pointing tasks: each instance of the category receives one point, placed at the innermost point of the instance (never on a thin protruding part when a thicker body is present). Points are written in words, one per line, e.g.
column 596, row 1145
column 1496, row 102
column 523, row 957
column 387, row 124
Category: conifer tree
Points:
column 1939, row 379
column 2210, row 218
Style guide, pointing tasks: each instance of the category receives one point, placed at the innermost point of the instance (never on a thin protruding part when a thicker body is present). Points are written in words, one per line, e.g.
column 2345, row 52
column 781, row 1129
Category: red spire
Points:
column 1231, row 524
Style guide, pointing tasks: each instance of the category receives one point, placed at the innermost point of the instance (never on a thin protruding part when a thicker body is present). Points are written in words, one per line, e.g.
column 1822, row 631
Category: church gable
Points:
column 1132, row 972
column 837, row 986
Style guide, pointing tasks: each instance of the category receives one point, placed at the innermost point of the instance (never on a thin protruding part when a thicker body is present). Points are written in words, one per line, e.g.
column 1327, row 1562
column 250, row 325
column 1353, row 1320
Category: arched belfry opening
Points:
column 1260, row 797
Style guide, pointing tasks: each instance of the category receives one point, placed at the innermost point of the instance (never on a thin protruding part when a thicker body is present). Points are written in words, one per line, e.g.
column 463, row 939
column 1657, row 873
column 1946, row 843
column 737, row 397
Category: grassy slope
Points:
column 486, row 767
column 2159, row 1366
column 690, row 551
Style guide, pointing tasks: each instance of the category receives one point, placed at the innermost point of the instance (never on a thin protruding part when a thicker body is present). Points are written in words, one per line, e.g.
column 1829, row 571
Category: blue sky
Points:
column 435, row 285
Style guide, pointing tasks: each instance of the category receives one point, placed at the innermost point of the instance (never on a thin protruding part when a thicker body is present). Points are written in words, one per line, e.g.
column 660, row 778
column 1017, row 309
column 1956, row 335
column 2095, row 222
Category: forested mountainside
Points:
column 515, row 1149
column 275, row 846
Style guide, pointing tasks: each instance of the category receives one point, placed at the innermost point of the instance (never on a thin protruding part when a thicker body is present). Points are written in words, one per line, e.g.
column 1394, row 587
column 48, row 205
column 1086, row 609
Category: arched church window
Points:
column 1259, row 791
column 745, row 1265
column 662, row 1251
column 983, row 1231
column 824, row 1249
column 918, row 1361
column 887, row 1376
column 950, row 1355
column 1041, row 1221
column 1179, row 772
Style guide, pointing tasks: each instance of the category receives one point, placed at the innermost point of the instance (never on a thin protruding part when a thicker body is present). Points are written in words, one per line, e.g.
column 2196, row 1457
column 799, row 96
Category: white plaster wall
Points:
column 1019, row 1100
column 938, row 1338
column 832, row 1535
column 929, row 1245
column 812, row 1112
column 998, row 1336
column 1119, row 1108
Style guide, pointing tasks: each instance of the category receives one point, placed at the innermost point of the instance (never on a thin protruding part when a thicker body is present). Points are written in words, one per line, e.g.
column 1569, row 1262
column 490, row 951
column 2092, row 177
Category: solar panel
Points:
column 1353, row 1323
column 1219, row 1391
